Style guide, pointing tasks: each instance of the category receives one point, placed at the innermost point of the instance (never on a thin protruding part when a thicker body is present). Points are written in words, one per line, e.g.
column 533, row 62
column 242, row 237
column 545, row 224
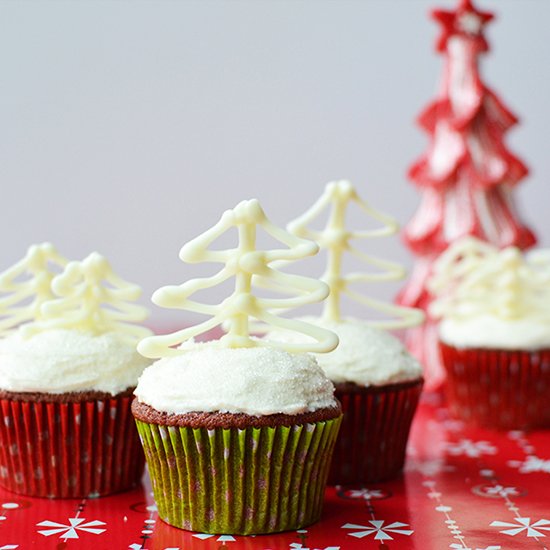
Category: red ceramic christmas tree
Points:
column 467, row 177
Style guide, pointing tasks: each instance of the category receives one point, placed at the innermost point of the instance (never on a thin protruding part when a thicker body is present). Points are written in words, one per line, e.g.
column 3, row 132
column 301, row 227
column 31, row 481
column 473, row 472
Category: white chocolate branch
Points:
column 92, row 298
column 28, row 281
column 451, row 268
column 472, row 278
column 336, row 239
column 246, row 264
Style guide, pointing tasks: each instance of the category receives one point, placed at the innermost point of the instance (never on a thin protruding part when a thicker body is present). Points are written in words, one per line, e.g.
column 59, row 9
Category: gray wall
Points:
column 127, row 127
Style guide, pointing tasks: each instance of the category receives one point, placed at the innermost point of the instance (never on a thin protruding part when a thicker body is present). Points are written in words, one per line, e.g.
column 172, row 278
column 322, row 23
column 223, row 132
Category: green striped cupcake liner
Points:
column 233, row 481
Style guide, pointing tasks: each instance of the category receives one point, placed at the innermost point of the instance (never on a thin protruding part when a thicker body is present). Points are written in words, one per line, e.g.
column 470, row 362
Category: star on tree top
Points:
column 466, row 21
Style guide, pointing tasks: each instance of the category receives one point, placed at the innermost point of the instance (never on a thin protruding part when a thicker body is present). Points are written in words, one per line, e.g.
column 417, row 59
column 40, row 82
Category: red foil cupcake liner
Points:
column 69, row 450
column 499, row 389
column 373, row 436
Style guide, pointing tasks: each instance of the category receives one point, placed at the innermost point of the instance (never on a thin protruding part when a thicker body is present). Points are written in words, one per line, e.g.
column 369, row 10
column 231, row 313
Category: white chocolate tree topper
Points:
column 26, row 285
column 452, row 267
column 336, row 239
column 473, row 278
column 92, row 298
column 249, row 267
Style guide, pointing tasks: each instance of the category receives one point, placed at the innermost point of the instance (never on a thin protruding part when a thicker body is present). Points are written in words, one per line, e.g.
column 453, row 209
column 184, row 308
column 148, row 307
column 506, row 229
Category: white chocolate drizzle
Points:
column 91, row 298
column 473, row 279
column 26, row 285
column 336, row 239
column 250, row 268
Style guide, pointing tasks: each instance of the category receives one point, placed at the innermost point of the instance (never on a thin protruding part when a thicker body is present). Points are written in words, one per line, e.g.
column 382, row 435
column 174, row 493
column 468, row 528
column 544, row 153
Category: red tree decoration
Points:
column 467, row 176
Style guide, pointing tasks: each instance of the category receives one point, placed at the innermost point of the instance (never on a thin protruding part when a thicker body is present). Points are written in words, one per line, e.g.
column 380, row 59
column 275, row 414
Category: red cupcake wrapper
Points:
column 373, row 437
column 499, row 389
column 69, row 450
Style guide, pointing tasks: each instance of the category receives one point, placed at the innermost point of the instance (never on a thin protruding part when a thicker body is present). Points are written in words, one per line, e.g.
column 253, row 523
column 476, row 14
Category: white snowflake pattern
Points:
column 221, row 538
column 70, row 531
column 469, row 448
column 367, row 494
column 461, row 547
column 9, row 546
column 378, row 529
column 531, row 464
column 429, row 468
column 452, row 425
column 449, row 424
column 495, row 491
column 532, row 529
column 502, row 491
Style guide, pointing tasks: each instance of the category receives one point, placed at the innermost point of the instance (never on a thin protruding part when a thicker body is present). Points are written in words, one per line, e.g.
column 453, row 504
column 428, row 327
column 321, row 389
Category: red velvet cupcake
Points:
column 238, row 433
column 495, row 334
column 68, row 367
column 237, row 441
column 377, row 380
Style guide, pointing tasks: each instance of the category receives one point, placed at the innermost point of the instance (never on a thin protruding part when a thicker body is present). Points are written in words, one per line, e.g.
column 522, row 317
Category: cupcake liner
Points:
column 233, row 481
column 69, row 450
column 499, row 389
column 373, row 437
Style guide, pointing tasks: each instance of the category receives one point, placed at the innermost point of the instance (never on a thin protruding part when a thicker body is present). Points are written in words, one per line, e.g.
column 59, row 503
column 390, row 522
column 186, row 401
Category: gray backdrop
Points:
column 127, row 127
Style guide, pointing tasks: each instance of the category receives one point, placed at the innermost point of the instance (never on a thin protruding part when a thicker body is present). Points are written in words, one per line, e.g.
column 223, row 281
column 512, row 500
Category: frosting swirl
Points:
column 366, row 355
column 59, row 361
column 208, row 377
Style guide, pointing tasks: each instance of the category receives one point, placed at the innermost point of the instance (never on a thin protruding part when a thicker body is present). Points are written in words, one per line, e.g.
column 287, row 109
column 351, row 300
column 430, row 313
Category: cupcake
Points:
column 238, row 433
column 377, row 381
column 494, row 307
column 68, row 367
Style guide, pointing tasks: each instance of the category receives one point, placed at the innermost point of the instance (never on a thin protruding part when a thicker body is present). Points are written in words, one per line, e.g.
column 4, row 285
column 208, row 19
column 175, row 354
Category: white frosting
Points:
column 257, row 381
column 59, row 361
column 492, row 332
column 491, row 298
column 367, row 356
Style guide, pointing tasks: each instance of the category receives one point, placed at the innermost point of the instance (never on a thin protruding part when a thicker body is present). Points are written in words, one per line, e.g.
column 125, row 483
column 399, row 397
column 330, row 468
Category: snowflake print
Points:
column 362, row 493
column 367, row 494
column 452, row 425
column 222, row 538
column 531, row 464
column 378, row 529
column 70, row 531
column 429, row 468
column 469, row 448
column 502, row 491
column 532, row 529
column 495, row 491
column 9, row 546
column 461, row 547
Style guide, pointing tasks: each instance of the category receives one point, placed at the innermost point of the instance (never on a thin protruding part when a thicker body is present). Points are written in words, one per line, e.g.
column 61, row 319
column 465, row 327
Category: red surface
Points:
column 463, row 488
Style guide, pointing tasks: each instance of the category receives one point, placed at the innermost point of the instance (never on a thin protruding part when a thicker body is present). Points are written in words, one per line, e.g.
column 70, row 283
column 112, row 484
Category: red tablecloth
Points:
column 462, row 489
